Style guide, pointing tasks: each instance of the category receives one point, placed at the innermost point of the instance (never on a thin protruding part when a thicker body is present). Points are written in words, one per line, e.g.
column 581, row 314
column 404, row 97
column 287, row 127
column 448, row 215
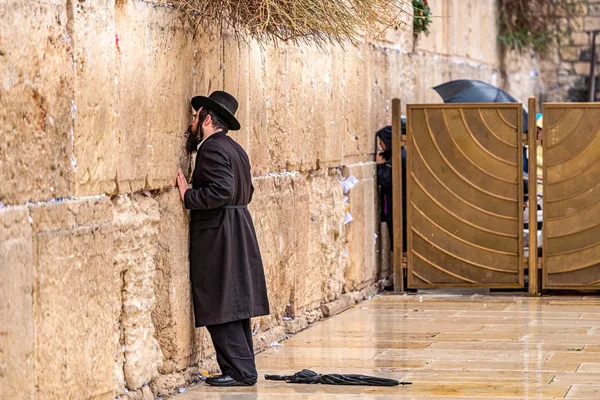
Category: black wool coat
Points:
column 226, row 269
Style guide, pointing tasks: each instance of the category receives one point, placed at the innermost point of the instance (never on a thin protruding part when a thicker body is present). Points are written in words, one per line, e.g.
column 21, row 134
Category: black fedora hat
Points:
column 223, row 104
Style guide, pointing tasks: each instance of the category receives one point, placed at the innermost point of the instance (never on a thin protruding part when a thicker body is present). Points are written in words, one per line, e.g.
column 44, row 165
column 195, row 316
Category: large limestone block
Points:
column 304, row 271
column 77, row 299
column 392, row 79
column 35, row 101
column 523, row 76
column 135, row 220
column 275, row 138
column 295, row 117
column 322, row 279
column 273, row 210
column 17, row 361
column 258, row 108
column 133, row 92
column 358, row 103
column 95, row 137
column 181, row 343
column 236, row 80
column 171, row 72
column 333, row 153
column 362, row 242
column 327, row 101
column 451, row 36
column 308, row 140
column 161, row 66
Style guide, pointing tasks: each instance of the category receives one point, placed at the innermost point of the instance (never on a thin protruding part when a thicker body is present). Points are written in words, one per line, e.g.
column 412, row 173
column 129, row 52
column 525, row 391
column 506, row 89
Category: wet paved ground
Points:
column 450, row 346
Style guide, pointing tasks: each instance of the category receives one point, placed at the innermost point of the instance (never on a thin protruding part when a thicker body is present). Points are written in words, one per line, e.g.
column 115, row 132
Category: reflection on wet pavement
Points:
column 451, row 346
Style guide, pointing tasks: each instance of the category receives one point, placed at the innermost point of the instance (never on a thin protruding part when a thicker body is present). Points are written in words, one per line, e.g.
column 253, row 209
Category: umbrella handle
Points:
column 276, row 377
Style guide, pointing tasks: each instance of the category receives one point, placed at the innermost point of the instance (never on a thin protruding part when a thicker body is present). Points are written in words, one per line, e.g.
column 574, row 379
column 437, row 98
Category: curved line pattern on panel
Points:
column 461, row 165
column 573, row 249
column 579, row 241
column 568, row 189
column 464, row 260
column 574, row 223
column 573, row 262
column 575, row 167
column 463, row 220
column 464, row 215
column 455, row 194
column 466, row 180
column 499, row 136
column 421, row 278
column 578, row 204
column 548, row 119
column 499, row 111
column 506, row 253
column 572, row 196
column 558, row 132
column 462, row 278
column 569, row 149
column 470, row 254
column 480, row 144
column 496, row 168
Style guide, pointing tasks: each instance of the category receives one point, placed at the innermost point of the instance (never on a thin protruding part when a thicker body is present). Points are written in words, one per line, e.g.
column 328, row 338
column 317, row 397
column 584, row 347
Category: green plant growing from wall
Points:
column 421, row 19
column 533, row 24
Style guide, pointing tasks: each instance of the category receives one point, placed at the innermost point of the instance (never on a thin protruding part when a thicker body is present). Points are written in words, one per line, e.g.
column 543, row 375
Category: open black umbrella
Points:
column 473, row 91
column 311, row 377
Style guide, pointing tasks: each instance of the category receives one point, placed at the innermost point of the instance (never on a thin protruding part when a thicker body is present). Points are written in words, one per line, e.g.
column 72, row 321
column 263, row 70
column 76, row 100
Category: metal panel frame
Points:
column 397, row 216
column 533, row 288
column 397, row 201
column 545, row 284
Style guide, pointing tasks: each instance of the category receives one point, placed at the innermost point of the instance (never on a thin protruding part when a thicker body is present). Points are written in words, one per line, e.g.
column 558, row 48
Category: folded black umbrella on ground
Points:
column 311, row 377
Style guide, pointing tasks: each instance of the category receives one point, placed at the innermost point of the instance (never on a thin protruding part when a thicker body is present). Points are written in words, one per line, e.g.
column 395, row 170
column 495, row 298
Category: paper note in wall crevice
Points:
column 349, row 183
column 347, row 218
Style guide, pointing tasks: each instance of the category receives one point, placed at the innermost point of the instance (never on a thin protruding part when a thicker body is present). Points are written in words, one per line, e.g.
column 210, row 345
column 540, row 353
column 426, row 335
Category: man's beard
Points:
column 193, row 140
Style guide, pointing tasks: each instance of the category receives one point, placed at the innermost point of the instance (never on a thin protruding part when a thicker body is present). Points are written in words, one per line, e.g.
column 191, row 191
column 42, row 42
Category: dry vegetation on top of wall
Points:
column 316, row 21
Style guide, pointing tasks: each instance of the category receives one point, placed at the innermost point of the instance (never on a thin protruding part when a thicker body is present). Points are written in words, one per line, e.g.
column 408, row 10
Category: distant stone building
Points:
column 565, row 71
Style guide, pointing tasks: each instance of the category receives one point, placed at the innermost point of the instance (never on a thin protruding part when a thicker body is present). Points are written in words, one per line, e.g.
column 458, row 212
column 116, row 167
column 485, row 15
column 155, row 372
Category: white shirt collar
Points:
column 204, row 140
column 200, row 144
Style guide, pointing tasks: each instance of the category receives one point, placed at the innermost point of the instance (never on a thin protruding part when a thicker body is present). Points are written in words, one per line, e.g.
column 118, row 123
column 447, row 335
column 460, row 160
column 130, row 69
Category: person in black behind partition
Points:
column 384, row 180
column 226, row 269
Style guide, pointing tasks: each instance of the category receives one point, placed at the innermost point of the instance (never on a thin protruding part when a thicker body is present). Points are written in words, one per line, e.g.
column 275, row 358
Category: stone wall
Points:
column 95, row 299
column 565, row 70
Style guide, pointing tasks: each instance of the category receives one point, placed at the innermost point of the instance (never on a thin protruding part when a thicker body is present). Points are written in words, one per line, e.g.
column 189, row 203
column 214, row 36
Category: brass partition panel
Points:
column 571, row 197
column 465, row 195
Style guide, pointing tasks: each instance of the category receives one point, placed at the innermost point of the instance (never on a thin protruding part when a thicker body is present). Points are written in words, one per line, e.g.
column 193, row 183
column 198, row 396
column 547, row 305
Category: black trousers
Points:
column 235, row 353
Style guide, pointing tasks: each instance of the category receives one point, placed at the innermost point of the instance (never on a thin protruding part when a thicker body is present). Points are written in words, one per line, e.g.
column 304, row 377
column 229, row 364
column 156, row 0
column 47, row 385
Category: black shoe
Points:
column 214, row 377
column 225, row 380
column 389, row 288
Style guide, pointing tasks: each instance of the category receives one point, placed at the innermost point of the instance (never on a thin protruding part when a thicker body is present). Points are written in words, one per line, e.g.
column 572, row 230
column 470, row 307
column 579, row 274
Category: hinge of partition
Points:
column 403, row 140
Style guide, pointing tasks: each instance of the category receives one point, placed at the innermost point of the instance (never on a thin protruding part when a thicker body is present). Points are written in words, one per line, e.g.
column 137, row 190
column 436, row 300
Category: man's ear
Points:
column 207, row 121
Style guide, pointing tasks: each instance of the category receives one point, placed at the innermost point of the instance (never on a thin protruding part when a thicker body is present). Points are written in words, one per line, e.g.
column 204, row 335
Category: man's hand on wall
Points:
column 182, row 184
